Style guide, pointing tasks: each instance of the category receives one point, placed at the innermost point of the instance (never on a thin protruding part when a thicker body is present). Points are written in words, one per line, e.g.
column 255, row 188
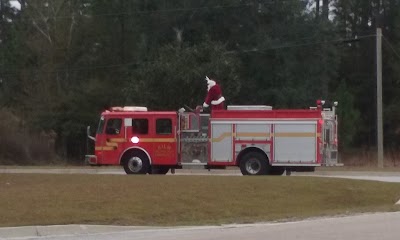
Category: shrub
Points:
column 18, row 146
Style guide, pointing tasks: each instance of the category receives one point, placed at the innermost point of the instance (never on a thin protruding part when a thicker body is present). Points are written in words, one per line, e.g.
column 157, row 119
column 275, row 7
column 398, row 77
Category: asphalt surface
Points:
column 385, row 176
column 361, row 227
column 382, row 226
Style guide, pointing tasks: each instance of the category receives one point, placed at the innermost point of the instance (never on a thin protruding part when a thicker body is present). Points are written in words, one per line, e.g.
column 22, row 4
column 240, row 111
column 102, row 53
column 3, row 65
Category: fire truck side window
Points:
column 163, row 126
column 140, row 126
column 113, row 126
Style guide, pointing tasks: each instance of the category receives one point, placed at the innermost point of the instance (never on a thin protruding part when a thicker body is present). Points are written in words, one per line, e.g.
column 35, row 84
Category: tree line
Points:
column 64, row 61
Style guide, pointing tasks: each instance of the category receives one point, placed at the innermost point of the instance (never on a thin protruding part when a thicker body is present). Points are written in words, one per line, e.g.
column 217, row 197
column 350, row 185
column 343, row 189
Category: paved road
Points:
column 382, row 226
column 375, row 176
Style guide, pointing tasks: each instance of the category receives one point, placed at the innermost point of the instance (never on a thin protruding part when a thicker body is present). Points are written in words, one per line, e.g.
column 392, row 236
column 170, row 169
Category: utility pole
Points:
column 379, row 96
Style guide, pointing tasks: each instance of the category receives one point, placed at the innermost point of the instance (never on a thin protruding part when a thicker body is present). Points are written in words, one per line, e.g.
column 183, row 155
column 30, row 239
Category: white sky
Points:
column 311, row 6
column 15, row 4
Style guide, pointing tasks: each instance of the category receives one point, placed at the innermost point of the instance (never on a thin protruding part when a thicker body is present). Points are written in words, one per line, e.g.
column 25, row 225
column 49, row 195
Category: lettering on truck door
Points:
column 164, row 143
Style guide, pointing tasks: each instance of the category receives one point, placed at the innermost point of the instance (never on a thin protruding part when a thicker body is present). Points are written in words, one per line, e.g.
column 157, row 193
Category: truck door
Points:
column 111, row 140
column 164, row 143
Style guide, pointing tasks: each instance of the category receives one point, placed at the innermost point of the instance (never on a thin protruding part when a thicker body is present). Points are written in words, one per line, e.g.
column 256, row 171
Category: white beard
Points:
column 210, row 84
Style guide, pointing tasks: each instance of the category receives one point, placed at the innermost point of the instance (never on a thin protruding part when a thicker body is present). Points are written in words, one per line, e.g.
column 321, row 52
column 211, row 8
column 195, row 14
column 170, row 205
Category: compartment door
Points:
column 295, row 143
column 221, row 142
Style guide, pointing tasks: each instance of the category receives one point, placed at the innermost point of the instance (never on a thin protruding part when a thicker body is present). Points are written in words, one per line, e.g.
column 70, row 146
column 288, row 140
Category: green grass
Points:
column 35, row 199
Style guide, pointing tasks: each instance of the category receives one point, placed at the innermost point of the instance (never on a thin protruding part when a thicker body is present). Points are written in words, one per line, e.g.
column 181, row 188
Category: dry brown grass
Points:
column 30, row 199
column 18, row 146
column 363, row 159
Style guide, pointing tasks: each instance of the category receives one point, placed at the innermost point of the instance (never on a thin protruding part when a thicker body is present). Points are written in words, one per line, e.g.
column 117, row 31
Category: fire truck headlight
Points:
column 135, row 139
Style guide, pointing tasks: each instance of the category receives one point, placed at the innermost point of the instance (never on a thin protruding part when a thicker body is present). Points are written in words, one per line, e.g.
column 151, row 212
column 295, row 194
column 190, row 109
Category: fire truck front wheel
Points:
column 254, row 163
column 137, row 164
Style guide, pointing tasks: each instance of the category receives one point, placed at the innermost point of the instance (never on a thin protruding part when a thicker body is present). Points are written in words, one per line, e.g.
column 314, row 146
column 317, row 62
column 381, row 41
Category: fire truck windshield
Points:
column 101, row 126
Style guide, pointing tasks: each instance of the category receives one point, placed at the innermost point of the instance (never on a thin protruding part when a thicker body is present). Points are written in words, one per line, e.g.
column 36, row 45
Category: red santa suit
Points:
column 214, row 96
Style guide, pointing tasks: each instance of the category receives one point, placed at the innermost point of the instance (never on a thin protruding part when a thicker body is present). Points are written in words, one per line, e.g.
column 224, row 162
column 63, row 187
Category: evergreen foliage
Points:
column 63, row 61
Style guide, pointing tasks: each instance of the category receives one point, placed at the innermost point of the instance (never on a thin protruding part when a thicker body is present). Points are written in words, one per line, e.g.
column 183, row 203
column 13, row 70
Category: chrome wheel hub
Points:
column 135, row 164
column 253, row 166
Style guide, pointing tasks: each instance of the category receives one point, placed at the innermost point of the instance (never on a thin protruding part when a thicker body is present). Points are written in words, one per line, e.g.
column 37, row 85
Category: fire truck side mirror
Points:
column 88, row 134
column 335, row 104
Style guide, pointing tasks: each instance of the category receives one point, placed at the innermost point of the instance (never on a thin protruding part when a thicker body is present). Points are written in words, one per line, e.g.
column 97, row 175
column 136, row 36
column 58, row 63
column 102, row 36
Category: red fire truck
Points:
column 257, row 139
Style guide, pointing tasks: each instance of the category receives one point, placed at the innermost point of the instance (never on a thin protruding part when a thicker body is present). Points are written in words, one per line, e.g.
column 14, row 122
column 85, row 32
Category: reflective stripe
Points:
column 224, row 135
column 157, row 140
column 104, row 148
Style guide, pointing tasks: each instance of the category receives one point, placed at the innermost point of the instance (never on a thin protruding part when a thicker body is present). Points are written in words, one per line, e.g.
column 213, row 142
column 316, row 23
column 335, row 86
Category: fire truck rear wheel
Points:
column 137, row 164
column 254, row 163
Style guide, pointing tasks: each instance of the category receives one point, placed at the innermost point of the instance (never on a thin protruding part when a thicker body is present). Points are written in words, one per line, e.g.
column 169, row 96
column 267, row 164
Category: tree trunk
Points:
column 378, row 14
column 122, row 39
column 325, row 9
column 317, row 2
column 1, row 9
column 22, row 3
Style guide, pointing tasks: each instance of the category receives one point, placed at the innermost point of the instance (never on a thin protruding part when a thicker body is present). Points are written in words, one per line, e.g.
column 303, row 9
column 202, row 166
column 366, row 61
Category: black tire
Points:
column 276, row 171
column 254, row 163
column 161, row 170
column 136, row 163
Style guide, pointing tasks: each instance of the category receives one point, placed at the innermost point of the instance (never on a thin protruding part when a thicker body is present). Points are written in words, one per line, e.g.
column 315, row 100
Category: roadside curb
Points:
column 61, row 230
column 352, row 173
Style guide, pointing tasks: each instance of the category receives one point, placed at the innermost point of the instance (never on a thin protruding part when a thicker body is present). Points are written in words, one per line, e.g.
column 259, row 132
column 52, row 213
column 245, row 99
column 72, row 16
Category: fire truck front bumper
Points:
column 91, row 159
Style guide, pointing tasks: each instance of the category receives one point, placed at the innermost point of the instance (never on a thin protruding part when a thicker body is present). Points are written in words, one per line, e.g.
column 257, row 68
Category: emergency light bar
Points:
column 128, row 109
column 249, row 107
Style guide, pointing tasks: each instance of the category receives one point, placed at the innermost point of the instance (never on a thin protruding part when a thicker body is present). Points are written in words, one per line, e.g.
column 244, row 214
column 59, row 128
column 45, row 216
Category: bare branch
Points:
column 71, row 29
column 47, row 36
column 178, row 33
column 56, row 11
column 45, row 21
column 44, row 18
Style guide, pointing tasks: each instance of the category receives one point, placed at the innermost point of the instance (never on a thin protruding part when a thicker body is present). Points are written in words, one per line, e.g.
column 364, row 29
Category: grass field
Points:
column 35, row 199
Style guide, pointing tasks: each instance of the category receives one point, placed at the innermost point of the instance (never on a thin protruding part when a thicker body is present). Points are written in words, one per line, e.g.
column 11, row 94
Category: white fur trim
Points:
column 205, row 105
column 216, row 102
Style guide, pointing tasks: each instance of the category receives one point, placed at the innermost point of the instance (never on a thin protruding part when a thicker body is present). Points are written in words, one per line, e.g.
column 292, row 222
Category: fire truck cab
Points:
column 257, row 139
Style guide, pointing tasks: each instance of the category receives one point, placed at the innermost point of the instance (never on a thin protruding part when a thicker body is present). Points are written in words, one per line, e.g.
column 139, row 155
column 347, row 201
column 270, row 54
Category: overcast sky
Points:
column 15, row 4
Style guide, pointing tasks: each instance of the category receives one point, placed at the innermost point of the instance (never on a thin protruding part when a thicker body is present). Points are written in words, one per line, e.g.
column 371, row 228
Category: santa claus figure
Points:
column 214, row 96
